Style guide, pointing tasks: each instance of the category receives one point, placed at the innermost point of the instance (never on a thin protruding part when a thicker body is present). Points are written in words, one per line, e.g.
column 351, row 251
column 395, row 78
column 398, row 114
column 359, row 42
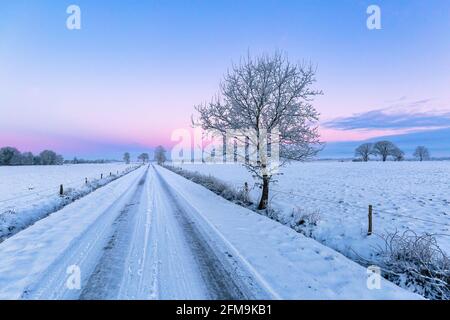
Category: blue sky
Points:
column 135, row 70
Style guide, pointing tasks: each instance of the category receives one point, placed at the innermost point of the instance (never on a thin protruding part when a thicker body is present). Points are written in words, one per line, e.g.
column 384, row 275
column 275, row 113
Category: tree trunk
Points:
column 265, row 194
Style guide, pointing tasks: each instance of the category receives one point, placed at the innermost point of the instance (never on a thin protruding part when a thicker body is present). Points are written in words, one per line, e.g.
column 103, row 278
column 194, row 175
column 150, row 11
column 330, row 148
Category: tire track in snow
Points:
column 147, row 245
column 146, row 256
column 224, row 275
column 106, row 280
column 84, row 252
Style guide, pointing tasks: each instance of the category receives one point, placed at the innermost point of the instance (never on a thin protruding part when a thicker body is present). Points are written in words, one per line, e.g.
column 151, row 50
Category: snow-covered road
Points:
column 142, row 246
column 155, row 235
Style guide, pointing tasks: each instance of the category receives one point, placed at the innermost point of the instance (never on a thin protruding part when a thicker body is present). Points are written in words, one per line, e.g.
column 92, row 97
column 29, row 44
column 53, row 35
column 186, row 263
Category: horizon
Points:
column 133, row 72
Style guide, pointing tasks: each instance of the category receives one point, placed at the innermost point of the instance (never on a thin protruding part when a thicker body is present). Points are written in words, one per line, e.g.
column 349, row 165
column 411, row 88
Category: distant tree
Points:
column 398, row 154
column 78, row 161
column 27, row 159
column 126, row 157
column 16, row 160
column 160, row 155
column 384, row 149
column 49, row 157
column 144, row 157
column 59, row 160
column 266, row 94
column 421, row 153
column 36, row 160
column 9, row 155
column 364, row 151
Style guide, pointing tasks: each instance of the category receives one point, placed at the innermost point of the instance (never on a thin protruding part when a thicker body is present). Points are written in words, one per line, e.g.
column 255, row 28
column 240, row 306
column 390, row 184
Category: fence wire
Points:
column 359, row 207
column 69, row 184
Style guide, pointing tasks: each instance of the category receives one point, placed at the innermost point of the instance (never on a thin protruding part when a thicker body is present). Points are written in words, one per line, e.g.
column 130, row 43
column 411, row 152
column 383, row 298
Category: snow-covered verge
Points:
column 290, row 264
column 331, row 211
column 39, row 250
column 21, row 185
column 20, row 211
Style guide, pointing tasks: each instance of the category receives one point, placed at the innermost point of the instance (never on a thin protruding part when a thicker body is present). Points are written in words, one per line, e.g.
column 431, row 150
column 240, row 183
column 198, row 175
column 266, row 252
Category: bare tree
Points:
column 36, row 160
column 384, row 149
column 49, row 157
column 126, row 157
column 421, row 153
column 27, row 158
column 160, row 155
column 59, row 160
column 364, row 151
column 398, row 154
column 144, row 157
column 16, row 160
column 8, row 155
column 266, row 94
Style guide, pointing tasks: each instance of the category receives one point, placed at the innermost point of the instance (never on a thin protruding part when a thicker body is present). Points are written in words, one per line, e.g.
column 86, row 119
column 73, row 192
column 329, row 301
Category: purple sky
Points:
column 135, row 70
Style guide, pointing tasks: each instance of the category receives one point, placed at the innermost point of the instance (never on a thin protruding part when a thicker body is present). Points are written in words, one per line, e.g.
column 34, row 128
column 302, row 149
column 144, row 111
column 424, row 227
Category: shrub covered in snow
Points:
column 304, row 221
column 215, row 185
column 417, row 262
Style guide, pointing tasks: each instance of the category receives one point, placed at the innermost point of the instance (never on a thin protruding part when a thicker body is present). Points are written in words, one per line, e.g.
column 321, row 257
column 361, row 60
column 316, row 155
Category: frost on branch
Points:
column 267, row 94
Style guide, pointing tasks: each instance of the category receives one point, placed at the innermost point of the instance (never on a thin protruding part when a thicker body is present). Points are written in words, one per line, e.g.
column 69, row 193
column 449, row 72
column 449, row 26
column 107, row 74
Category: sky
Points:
column 134, row 71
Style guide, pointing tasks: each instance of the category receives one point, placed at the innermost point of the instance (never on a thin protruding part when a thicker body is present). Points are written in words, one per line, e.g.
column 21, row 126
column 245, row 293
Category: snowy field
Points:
column 404, row 195
column 28, row 193
column 155, row 235
column 23, row 185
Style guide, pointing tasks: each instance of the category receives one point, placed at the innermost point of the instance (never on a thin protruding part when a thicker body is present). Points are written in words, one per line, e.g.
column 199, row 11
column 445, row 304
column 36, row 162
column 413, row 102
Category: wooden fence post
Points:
column 61, row 190
column 369, row 232
column 101, row 176
column 86, row 180
column 246, row 192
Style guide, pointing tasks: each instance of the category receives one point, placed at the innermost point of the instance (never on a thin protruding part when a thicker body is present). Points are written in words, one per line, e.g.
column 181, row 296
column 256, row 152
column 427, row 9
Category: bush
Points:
column 417, row 262
column 304, row 221
column 215, row 185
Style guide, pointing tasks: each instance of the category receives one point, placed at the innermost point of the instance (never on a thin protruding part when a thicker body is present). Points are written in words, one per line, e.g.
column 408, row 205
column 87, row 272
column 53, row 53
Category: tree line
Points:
column 386, row 150
column 159, row 156
column 10, row 156
column 85, row 161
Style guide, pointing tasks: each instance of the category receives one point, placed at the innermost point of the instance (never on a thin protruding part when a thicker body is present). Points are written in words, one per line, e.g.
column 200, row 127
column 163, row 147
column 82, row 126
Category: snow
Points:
column 405, row 196
column 36, row 253
column 25, row 184
column 290, row 265
column 29, row 193
column 146, row 236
